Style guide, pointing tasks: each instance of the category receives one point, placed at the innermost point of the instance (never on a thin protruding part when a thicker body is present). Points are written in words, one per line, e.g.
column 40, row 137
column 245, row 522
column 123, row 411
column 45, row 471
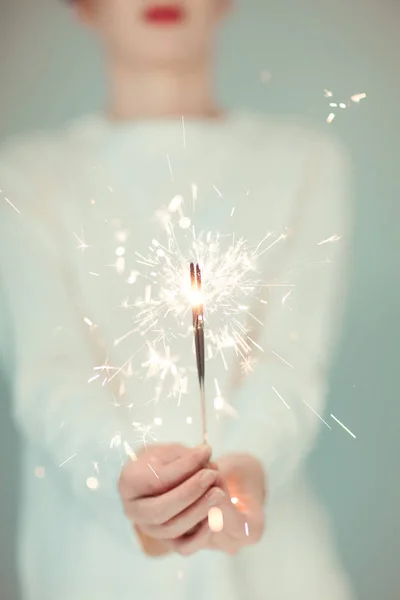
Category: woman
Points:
column 79, row 212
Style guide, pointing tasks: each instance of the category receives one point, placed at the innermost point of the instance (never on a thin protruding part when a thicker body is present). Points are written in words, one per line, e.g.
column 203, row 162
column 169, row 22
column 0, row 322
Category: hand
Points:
column 242, row 479
column 164, row 493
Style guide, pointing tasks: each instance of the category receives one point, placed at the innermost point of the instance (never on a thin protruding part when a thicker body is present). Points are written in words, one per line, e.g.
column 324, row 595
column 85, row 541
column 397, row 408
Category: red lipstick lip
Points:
column 164, row 14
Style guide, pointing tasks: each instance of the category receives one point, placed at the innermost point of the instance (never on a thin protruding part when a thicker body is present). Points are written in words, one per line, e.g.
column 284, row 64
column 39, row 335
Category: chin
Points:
column 166, row 59
column 164, row 48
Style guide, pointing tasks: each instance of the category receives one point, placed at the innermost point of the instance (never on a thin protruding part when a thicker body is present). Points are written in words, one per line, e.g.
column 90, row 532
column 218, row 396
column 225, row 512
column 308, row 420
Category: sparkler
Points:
column 157, row 293
column 198, row 330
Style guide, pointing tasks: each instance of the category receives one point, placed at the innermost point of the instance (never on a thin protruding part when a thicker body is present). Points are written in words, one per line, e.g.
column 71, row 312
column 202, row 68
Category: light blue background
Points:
column 50, row 70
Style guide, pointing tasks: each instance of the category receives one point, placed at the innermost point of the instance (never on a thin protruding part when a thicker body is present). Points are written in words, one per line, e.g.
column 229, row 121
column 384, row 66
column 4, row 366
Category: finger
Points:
column 187, row 521
column 180, row 470
column 160, row 509
column 199, row 541
column 149, row 477
column 154, row 454
column 221, row 482
column 164, row 453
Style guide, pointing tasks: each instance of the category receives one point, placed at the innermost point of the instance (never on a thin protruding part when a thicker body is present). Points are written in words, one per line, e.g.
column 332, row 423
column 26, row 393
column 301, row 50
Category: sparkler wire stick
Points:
column 198, row 330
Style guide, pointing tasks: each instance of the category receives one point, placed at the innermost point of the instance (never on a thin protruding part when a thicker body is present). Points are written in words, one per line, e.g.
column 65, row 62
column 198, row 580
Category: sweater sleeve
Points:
column 48, row 355
column 282, row 402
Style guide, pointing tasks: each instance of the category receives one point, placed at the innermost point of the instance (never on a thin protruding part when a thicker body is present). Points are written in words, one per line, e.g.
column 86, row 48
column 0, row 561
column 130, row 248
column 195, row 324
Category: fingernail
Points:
column 207, row 478
column 215, row 497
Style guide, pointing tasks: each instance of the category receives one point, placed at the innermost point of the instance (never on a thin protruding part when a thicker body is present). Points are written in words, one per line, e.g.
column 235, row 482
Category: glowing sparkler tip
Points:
column 196, row 298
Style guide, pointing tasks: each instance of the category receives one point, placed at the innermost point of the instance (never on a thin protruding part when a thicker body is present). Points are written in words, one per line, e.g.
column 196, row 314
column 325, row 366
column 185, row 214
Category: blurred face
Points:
column 155, row 32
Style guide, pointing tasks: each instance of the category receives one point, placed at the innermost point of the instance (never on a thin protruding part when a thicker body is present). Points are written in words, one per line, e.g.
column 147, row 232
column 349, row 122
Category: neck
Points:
column 141, row 94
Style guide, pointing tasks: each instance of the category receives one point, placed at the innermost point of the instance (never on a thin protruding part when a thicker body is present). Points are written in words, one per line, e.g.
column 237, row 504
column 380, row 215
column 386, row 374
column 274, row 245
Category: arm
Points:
column 50, row 355
column 276, row 421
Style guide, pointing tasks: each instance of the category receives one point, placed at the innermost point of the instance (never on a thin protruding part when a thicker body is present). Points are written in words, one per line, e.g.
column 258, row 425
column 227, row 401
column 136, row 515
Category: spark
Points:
column 183, row 132
column 246, row 529
column 116, row 441
column 247, row 364
column 261, row 243
column 333, row 238
column 145, row 432
column 92, row 483
column 330, row 117
column 282, row 359
column 286, row 296
column 283, row 236
column 194, row 195
column 255, row 344
column 317, row 414
column 68, row 459
column 170, row 169
column 175, row 203
column 151, row 469
column 358, row 97
column 12, row 205
column 218, row 402
column 82, row 244
column 217, row 190
column 106, row 367
column 280, row 397
column 129, row 452
column 344, row 426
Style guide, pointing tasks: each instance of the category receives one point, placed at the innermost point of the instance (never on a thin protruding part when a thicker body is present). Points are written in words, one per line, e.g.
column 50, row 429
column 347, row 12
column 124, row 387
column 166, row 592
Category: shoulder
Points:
column 304, row 168
column 32, row 166
column 24, row 154
column 288, row 136
column 307, row 157
column 39, row 150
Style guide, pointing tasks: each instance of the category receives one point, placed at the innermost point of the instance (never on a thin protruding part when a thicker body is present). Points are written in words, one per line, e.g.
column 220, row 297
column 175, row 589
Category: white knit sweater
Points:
column 102, row 185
